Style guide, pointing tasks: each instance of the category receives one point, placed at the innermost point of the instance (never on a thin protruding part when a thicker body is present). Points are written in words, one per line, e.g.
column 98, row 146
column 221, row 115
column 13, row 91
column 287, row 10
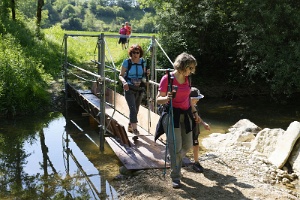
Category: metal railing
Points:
column 102, row 79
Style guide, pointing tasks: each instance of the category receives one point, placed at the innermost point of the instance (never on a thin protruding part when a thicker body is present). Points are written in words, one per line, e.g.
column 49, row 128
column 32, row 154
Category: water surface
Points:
column 48, row 157
column 54, row 157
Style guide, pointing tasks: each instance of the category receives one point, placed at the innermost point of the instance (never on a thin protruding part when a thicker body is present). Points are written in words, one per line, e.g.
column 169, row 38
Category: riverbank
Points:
column 233, row 170
column 226, row 176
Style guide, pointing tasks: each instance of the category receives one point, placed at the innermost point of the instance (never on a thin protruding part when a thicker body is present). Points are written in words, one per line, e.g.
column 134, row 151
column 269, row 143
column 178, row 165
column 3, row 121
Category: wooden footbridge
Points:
column 110, row 109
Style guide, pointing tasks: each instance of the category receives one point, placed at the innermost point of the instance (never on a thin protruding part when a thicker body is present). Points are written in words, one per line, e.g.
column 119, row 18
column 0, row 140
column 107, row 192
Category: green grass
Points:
column 83, row 49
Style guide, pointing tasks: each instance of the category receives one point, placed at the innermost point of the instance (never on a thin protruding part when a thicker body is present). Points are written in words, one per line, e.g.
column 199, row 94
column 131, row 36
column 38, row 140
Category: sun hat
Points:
column 195, row 93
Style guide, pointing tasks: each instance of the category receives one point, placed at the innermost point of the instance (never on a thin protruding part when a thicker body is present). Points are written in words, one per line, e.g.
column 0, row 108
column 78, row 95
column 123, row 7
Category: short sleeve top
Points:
column 182, row 98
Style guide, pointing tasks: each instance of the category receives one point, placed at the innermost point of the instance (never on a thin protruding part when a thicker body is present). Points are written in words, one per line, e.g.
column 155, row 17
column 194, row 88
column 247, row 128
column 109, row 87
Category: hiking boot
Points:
column 176, row 184
column 136, row 132
column 130, row 129
column 197, row 167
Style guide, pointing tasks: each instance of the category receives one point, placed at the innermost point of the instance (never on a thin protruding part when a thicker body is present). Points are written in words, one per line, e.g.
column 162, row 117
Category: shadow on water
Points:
column 45, row 157
column 221, row 114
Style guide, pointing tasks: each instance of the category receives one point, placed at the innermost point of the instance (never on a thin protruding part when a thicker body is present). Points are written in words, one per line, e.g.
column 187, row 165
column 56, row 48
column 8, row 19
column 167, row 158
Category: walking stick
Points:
column 170, row 126
column 148, row 97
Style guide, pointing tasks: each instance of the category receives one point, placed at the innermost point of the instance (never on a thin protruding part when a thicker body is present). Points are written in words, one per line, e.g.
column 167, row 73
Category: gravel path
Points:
column 231, row 175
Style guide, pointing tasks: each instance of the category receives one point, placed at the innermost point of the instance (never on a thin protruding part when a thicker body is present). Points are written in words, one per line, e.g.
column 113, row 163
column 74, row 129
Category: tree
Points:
column 26, row 7
column 68, row 12
column 72, row 23
column 255, row 43
column 13, row 9
column 39, row 12
column 269, row 43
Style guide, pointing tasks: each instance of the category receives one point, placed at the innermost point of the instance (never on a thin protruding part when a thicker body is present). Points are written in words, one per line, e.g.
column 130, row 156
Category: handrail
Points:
column 102, row 47
column 83, row 70
column 99, row 78
column 109, row 35
column 164, row 52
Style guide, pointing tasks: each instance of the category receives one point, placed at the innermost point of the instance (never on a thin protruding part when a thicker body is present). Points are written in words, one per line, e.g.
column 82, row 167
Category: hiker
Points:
column 122, row 38
column 132, row 76
column 179, row 139
column 195, row 95
column 128, row 33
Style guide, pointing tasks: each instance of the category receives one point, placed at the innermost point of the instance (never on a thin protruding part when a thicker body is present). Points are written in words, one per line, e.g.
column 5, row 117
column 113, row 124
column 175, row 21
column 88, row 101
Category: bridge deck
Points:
column 141, row 154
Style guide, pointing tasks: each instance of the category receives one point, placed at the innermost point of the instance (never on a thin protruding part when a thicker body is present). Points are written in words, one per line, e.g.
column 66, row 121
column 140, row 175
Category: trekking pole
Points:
column 148, row 96
column 147, row 87
column 170, row 125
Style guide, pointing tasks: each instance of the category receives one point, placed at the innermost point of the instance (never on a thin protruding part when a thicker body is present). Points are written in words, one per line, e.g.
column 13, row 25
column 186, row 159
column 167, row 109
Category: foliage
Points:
column 244, row 43
column 73, row 23
column 146, row 25
column 69, row 12
column 27, row 65
column 23, row 82
column 269, row 43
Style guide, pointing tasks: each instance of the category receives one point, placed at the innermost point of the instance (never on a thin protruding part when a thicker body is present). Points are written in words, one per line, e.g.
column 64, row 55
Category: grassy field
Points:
column 82, row 48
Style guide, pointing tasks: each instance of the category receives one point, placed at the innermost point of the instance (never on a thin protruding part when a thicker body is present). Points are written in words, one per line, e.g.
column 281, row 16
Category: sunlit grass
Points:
column 82, row 50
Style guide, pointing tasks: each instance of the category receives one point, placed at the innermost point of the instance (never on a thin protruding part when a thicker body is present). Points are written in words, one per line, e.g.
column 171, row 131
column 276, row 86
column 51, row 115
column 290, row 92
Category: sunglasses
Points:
column 135, row 52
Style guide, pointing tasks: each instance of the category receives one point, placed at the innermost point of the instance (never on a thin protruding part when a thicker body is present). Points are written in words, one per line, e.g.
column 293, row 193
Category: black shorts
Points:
column 122, row 40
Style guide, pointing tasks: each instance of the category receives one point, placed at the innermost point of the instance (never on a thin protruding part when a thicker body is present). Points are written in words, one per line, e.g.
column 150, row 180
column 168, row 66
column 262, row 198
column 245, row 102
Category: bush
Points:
column 72, row 24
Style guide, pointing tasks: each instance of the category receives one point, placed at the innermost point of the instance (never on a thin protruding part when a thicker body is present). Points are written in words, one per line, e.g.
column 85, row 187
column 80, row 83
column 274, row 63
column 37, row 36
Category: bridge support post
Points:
column 65, row 72
column 101, row 67
column 153, row 71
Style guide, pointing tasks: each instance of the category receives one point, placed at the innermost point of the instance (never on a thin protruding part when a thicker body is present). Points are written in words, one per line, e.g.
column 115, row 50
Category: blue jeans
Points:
column 134, row 99
column 179, row 144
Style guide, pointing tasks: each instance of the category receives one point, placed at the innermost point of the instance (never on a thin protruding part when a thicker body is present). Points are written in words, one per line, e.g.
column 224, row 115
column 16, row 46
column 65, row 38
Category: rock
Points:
column 294, row 158
column 238, row 135
column 285, row 145
column 244, row 125
column 265, row 141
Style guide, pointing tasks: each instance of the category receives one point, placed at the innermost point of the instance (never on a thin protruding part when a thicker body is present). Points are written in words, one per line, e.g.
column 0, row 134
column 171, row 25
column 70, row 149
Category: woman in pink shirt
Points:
column 179, row 139
column 122, row 38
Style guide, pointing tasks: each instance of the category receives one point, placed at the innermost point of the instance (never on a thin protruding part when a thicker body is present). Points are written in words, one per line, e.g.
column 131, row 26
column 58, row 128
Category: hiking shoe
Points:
column 176, row 184
column 130, row 129
column 198, row 168
column 136, row 132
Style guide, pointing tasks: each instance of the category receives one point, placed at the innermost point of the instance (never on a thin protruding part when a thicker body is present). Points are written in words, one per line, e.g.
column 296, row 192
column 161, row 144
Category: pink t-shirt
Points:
column 182, row 99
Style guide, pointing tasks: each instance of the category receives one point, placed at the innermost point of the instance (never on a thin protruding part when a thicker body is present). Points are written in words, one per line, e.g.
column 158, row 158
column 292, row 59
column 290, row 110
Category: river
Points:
column 55, row 157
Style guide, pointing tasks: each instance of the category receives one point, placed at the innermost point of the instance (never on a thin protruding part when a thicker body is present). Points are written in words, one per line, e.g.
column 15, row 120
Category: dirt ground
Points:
column 226, row 176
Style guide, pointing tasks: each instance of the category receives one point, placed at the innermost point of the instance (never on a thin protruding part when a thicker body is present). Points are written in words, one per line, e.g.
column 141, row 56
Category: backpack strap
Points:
column 190, row 81
column 129, row 67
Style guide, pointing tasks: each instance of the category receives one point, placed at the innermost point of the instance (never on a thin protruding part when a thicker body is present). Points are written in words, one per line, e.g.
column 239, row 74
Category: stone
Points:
column 244, row 125
column 294, row 158
column 266, row 140
column 285, row 145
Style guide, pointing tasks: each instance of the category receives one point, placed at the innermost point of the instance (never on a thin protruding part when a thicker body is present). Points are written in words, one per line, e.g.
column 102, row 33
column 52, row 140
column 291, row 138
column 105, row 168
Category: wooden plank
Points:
column 120, row 103
column 90, row 103
column 143, row 154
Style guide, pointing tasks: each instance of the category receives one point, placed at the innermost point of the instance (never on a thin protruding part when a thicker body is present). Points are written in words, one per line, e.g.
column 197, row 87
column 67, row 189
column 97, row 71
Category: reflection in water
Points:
column 40, row 160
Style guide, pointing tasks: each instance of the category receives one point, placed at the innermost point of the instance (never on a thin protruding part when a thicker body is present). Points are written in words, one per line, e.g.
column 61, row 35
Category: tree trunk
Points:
column 13, row 9
column 39, row 12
